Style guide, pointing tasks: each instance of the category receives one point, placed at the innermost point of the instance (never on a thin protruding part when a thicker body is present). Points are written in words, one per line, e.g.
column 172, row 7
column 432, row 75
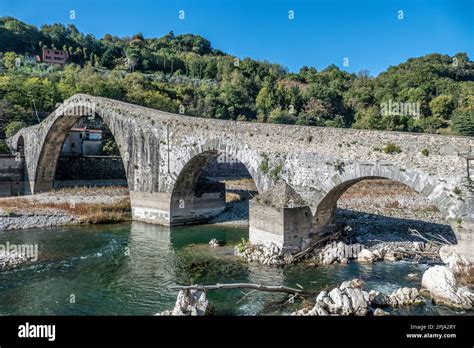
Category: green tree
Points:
column 442, row 106
column 9, row 60
column 463, row 123
column 369, row 118
column 281, row 116
column 13, row 127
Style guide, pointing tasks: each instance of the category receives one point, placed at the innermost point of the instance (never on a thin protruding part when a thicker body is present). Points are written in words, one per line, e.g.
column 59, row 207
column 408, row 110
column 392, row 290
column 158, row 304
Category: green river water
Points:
column 127, row 269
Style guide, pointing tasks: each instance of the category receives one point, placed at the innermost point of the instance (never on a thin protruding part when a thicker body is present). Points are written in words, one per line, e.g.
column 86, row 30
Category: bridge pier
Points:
column 279, row 216
column 180, row 207
column 464, row 231
column 151, row 207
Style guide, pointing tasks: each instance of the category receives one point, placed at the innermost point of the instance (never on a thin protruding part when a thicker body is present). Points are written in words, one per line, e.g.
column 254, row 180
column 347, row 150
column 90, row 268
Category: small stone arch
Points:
column 20, row 145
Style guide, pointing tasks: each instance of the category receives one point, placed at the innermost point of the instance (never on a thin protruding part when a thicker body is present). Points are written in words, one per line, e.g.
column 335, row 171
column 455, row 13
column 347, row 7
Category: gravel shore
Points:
column 56, row 208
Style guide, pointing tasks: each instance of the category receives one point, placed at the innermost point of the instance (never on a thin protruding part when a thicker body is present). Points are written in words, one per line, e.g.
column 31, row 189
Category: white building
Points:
column 83, row 142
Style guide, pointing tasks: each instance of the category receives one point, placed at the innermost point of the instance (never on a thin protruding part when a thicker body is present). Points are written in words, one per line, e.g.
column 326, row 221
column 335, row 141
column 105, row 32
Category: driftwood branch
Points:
column 416, row 233
column 440, row 237
column 260, row 287
column 299, row 255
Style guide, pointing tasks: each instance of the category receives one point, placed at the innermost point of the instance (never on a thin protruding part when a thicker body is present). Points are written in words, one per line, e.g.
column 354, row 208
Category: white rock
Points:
column 214, row 243
column 359, row 304
column 347, row 308
column 380, row 312
column 336, row 297
column 321, row 295
column 454, row 261
column 441, row 282
column 354, row 283
column 378, row 254
column 318, row 310
column 191, row 302
column 365, row 255
column 405, row 297
column 392, row 256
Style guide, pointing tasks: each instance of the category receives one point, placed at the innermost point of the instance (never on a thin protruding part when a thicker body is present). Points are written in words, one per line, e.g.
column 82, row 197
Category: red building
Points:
column 57, row 57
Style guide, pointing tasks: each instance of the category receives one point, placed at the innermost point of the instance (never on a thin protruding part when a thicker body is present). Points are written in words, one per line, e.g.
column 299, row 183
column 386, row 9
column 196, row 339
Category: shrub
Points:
column 391, row 149
column 4, row 148
column 13, row 127
column 425, row 152
column 110, row 148
column 265, row 166
column 244, row 243
column 275, row 172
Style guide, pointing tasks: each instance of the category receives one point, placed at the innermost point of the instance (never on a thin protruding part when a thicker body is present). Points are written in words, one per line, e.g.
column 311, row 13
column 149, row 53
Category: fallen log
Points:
column 260, row 287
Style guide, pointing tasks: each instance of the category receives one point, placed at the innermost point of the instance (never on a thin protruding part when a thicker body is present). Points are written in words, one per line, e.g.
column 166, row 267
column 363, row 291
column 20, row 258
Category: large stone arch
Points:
column 334, row 188
column 195, row 200
column 212, row 148
column 54, row 134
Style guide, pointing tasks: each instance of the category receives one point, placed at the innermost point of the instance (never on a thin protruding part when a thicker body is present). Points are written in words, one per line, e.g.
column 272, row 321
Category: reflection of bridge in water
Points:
column 300, row 172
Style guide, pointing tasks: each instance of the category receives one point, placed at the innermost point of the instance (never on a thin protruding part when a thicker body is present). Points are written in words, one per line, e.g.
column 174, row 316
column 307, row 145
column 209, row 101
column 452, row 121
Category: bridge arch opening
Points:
column 20, row 145
column 372, row 206
column 211, row 187
column 89, row 156
column 81, row 156
column 59, row 142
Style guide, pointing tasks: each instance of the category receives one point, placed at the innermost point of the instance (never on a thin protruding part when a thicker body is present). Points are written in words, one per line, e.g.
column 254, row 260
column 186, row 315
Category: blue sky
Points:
column 322, row 32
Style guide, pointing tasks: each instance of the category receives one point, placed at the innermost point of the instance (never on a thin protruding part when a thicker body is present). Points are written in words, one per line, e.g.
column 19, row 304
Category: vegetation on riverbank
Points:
column 77, row 202
column 185, row 74
column 98, row 213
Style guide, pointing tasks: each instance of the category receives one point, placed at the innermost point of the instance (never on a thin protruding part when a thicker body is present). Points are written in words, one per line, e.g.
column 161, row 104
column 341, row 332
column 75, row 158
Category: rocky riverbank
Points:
column 339, row 252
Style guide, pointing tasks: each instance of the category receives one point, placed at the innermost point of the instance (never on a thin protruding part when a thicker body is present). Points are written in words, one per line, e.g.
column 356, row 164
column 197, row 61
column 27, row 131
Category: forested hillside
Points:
column 185, row 74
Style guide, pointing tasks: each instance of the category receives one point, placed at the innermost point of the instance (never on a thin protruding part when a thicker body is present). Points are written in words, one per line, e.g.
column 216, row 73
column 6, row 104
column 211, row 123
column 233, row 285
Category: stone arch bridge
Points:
column 300, row 172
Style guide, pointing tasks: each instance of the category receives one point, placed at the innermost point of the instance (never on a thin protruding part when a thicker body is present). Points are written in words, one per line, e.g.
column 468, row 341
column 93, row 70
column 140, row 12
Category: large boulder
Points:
column 458, row 264
column 366, row 256
column 442, row 284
